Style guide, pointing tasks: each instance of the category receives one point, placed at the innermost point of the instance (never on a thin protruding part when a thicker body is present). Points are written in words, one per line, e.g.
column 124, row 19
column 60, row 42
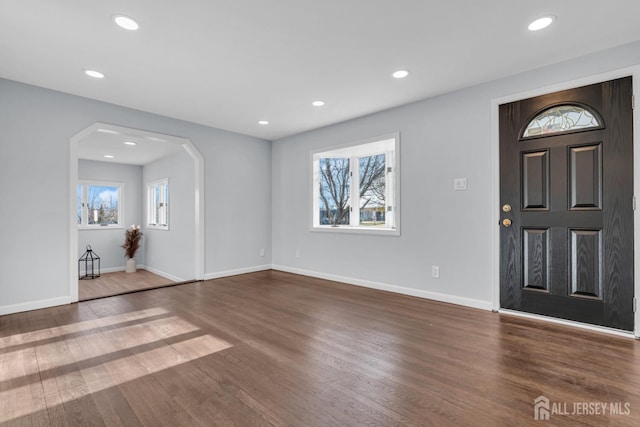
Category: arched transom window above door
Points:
column 565, row 118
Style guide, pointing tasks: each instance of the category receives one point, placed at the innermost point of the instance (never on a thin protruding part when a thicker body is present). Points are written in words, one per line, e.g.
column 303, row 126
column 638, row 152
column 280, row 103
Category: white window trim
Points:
column 151, row 206
column 120, row 225
column 393, row 181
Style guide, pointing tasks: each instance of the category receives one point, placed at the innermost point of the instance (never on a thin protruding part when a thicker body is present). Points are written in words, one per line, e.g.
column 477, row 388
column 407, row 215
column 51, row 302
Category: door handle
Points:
column 506, row 222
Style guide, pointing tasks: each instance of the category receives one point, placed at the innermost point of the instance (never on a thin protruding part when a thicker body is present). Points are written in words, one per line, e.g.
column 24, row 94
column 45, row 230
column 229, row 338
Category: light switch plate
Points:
column 460, row 184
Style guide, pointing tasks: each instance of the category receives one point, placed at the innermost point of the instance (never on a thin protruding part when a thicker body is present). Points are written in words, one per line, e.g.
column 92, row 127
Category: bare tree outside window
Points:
column 355, row 187
column 335, row 190
column 372, row 190
column 99, row 204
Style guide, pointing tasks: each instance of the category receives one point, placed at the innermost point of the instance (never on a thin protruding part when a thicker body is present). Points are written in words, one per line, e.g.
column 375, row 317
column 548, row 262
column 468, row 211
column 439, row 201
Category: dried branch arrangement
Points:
column 132, row 239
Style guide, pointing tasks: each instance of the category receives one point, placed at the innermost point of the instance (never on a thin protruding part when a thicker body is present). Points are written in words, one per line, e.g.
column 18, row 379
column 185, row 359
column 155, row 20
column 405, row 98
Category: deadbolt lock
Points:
column 506, row 222
column 506, row 208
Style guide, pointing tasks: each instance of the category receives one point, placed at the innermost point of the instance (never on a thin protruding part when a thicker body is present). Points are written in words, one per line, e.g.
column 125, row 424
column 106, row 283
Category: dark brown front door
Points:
column 566, row 191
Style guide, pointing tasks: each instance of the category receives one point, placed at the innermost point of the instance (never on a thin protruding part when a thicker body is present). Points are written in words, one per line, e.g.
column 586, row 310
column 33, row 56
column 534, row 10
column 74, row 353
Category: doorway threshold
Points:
column 133, row 291
column 570, row 323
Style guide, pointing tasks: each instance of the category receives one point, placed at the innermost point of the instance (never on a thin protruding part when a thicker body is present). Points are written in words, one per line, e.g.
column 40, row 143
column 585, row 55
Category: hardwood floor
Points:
column 109, row 284
column 273, row 348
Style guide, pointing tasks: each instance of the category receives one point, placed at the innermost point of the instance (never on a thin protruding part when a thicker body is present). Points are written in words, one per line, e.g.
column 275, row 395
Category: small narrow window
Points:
column 158, row 207
column 99, row 204
column 562, row 119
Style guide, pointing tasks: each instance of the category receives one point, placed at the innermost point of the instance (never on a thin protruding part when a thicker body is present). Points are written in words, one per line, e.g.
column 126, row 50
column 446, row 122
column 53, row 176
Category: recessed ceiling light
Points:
column 541, row 23
column 153, row 138
column 317, row 103
column 130, row 143
column 126, row 22
column 263, row 122
column 95, row 74
column 400, row 74
column 109, row 131
column 109, row 156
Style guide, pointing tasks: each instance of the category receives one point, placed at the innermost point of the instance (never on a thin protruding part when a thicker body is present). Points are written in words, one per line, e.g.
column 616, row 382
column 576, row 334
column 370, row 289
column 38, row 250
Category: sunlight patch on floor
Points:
column 73, row 328
column 36, row 378
column 53, row 355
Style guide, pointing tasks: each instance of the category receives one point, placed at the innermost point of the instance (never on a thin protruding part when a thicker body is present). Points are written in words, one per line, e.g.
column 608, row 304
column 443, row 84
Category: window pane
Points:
column 79, row 207
column 164, row 212
column 158, row 204
column 160, row 196
column 102, row 204
column 153, row 205
column 334, row 191
column 372, row 190
column 562, row 118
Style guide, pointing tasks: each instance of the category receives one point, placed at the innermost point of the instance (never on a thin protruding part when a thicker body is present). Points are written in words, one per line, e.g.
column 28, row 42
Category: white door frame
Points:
column 198, row 163
column 495, row 171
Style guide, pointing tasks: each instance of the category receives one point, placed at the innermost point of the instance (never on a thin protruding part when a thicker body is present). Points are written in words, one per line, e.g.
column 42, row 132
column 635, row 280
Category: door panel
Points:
column 585, row 177
column 568, row 252
column 536, row 258
column 535, row 180
column 586, row 263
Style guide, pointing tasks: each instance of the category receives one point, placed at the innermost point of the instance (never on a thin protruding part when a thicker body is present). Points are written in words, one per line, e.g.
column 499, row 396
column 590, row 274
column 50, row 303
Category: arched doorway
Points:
column 130, row 145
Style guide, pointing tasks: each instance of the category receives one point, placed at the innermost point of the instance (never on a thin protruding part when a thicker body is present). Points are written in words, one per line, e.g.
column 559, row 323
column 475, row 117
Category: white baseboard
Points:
column 108, row 270
column 209, row 276
column 141, row 267
column 161, row 273
column 452, row 299
column 34, row 305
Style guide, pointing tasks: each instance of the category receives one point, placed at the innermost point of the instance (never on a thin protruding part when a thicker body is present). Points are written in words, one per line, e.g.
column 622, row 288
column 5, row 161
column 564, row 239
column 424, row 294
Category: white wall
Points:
column 442, row 138
column 247, row 184
column 106, row 241
column 171, row 252
column 35, row 129
column 238, row 208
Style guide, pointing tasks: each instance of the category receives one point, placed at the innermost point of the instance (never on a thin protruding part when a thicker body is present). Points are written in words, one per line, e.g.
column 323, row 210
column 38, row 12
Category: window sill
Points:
column 101, row 227
column 157, row 227
column 345, row 229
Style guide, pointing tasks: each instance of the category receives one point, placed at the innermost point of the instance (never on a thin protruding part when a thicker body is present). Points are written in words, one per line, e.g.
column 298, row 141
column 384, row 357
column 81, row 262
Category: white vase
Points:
column 131, row 266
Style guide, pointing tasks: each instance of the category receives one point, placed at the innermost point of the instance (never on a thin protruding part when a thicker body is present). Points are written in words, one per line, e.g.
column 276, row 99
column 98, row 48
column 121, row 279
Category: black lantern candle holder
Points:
column 89, row 260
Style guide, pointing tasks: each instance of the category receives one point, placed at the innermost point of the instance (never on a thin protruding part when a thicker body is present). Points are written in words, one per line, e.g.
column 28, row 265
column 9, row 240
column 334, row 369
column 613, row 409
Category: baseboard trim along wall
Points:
column 209, row 276
column 140, row 267
column 34, row 305
column 452, row 299
column 160, row 273
column 108, row 270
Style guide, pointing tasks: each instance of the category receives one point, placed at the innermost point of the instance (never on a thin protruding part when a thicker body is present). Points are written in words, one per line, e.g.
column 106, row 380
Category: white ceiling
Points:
column 228, row 64
column 104, row 139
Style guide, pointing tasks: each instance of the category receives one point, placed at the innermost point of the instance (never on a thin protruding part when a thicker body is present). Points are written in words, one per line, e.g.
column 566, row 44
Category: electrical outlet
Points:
column 297, row 253
column 261, row 251
column 435, row 271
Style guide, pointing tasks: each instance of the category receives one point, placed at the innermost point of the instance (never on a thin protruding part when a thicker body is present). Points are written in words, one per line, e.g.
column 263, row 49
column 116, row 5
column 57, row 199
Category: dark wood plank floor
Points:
column 109, row 284
column 273, row 348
